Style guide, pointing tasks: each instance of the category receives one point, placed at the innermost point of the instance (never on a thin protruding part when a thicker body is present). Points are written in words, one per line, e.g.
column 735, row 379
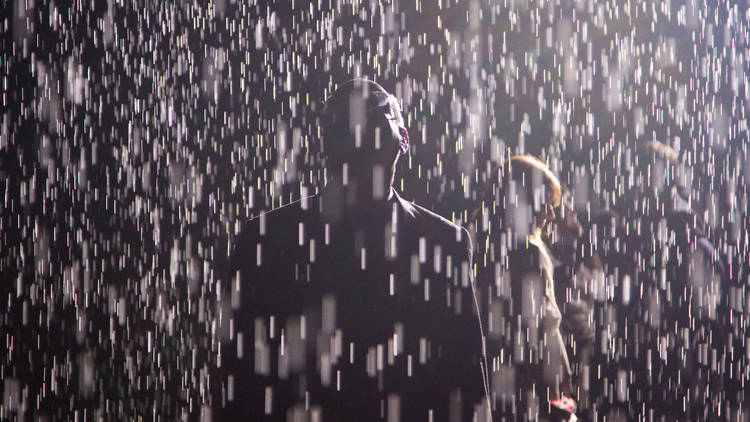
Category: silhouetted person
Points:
column 576, row 275
column 354, row 304
column 664, row 259
column 529, row 368
column 600, row 272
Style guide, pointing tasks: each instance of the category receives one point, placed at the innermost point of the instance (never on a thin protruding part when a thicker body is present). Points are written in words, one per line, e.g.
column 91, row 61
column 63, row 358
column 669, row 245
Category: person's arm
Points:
column 481, row 316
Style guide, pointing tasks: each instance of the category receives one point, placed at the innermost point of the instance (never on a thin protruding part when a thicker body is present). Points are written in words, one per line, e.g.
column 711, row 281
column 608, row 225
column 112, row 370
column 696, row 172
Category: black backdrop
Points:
column 137, row 136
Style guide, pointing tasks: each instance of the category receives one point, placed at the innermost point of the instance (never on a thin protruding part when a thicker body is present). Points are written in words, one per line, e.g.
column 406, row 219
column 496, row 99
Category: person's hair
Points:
column 659, row 150
column 524, row 167
column 357, row 102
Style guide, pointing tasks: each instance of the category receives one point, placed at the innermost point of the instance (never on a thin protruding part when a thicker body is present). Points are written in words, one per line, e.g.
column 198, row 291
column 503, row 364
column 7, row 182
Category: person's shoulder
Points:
column 529, row 252
column 434, row 223
column 276, row 225
column 527, row 247
column 302, row 208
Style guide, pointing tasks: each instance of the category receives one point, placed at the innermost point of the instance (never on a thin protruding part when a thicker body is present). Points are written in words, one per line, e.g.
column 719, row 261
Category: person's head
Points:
column 363, row 127
column 533, row 193
column 656, row 180
column 567, row 227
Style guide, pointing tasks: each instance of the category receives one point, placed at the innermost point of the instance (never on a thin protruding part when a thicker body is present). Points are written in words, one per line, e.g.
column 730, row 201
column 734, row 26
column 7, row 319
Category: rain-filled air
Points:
column 375, row 210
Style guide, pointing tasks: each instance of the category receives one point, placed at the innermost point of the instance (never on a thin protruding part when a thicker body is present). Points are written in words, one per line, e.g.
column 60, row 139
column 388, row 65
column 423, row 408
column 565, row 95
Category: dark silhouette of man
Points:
column 529, row 368
column 354, row 304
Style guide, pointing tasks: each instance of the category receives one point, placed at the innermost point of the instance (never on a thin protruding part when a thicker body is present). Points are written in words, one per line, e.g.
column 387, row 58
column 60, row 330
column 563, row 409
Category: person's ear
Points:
column 403, row 140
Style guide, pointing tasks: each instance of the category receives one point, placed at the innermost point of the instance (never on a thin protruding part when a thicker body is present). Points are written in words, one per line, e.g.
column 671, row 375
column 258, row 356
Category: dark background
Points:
column 136, row 137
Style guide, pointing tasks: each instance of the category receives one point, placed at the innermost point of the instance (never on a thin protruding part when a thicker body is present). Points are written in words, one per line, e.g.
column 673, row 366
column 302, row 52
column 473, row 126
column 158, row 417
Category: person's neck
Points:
column 365, row 194
column 536, row 233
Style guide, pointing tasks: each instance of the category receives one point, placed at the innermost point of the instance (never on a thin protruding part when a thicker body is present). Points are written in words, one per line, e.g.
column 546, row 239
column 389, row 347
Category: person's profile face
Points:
column 565, row 223
column 376, row 132
column 395, row 119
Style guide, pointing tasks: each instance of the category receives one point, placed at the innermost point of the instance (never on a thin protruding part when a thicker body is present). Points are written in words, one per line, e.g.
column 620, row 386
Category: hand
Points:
column 564, row 403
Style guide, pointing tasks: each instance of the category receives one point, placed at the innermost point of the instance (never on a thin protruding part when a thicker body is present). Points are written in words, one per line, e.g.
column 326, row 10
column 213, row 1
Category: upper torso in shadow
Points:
column 353, row 313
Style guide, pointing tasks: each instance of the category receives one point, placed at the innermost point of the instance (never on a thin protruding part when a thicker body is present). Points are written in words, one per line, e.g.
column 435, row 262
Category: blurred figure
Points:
column 354, row 304
column 530, row 371
column 575, row 278
column 666, row 265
